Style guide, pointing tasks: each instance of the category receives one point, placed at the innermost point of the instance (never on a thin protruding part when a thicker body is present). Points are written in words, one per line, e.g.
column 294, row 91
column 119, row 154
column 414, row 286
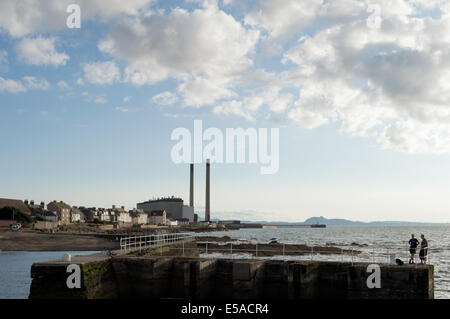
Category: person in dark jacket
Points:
column 413, row 243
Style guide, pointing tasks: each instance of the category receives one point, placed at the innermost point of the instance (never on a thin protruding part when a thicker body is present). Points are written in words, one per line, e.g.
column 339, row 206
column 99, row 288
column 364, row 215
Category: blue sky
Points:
column 87, row 114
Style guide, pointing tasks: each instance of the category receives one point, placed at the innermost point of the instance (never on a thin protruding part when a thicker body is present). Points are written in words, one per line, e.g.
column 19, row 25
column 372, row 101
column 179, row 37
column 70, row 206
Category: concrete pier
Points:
column 192, row 277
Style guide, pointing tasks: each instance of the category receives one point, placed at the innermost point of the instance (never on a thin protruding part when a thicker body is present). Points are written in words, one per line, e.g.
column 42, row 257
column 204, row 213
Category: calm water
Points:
column 375, row 243
column 15, row 270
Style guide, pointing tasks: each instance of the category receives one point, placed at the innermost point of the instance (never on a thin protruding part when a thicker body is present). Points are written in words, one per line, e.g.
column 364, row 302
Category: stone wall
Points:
column 153, row 276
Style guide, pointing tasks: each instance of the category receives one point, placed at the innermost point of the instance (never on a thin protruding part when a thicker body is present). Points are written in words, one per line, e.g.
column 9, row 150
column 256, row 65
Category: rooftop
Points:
column 4, row 202
column 164, row 199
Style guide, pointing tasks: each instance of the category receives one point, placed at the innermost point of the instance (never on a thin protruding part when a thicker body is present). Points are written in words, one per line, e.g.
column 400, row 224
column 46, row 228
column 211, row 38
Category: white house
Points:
column 105, row 216
column 138, row 217
column 171, row 222
column 157, row 217
column 76, row 216
column 123, row 217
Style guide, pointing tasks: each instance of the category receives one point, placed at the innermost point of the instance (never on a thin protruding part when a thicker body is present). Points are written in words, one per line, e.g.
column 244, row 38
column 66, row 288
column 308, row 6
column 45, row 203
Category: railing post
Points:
column 312, row 252
column 352, row 256
column 256, row 248
column 183, row 248
column 206, row 247
column 231, row 249
column 284, row 248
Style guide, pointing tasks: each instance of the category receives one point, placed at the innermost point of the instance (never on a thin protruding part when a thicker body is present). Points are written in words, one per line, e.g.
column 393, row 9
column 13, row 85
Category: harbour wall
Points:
column 155, row 276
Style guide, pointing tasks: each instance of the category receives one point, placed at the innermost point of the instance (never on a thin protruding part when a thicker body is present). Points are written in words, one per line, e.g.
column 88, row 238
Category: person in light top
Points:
column 423, row 250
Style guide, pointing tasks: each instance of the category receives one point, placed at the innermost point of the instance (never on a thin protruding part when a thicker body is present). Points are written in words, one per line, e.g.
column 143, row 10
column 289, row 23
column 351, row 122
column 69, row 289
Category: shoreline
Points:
column 78, row 239
column 34, row 242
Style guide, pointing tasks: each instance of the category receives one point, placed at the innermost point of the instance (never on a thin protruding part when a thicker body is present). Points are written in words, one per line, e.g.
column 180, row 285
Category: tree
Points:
column 13, row 213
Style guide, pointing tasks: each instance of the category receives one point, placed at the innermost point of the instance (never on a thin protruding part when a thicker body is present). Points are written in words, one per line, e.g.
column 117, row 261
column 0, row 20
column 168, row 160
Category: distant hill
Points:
column 337, row 222
column 345, row 222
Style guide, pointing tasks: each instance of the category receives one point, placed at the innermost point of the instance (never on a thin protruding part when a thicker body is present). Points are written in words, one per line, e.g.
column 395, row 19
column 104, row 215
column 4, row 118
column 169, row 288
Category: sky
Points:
column 359, row 91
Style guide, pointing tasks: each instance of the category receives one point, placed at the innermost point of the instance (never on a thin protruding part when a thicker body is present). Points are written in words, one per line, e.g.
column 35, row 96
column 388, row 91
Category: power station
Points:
column 175, row 207
column 208, row 190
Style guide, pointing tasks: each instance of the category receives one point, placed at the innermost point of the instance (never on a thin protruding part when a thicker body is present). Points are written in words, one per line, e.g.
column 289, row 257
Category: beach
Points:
column 36, row 241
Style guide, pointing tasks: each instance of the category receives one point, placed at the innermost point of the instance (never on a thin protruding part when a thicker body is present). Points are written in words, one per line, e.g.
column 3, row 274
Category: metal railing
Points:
column 260, row 251
column 376, row 254
column 135, row 243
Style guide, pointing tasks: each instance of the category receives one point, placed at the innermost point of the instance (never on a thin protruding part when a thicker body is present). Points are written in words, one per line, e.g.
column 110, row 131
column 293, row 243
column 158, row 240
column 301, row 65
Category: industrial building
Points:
column 174, row 206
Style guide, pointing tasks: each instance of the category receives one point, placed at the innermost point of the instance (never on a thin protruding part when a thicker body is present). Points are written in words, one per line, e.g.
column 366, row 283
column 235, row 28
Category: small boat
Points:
column 318, row 225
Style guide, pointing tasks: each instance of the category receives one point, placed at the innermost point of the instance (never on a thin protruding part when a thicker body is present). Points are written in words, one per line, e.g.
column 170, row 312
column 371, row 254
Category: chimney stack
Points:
column 191, row 192
column 208, row 176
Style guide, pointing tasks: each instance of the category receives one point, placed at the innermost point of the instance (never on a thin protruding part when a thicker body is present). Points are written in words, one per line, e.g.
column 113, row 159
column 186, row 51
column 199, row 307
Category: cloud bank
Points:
column 380, row 69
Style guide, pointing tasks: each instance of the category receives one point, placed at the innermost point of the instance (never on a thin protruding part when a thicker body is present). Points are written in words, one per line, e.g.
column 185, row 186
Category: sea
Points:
column 370, row 244
column 15, row 270
column 375, row 244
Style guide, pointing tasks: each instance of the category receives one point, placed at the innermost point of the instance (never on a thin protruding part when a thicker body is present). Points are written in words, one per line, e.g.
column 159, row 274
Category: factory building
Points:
column 188, row 213
column 172, row 205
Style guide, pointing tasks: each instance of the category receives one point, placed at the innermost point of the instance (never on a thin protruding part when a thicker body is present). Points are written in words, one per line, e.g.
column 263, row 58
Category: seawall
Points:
column 192, row 277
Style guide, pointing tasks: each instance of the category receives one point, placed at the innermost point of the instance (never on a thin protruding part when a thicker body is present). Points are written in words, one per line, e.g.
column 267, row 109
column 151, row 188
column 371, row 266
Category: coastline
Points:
column 33, row 241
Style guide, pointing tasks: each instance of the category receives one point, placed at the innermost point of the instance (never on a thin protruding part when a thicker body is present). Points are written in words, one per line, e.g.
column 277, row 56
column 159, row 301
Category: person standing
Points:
column 423, row 250
column 413, row 243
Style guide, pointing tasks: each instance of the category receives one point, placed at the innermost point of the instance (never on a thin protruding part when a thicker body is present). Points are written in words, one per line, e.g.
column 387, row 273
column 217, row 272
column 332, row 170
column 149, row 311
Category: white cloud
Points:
column 3, row 61
column 415, row 137
column 307, row 118
column 390, row 83
column 202, row 47
column 40, row 51
column 165, row 98
column 283, row 18
column 100, row 100
column 233, row 108
column 127, row 99
column 122, row 109
column 20, row 18
column 101, row 73
column 63, row 85
column 34, row 83
column 11, row 86
column 200, row 92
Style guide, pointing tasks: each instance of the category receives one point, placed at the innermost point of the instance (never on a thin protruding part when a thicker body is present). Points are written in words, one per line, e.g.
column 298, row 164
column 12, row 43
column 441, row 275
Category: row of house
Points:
column 59, row 211
column 65, row 214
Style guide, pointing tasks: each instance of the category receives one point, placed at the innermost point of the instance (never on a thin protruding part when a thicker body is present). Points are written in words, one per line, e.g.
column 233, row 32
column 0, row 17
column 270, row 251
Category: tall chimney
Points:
column 191, row 192
column 207, row 207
